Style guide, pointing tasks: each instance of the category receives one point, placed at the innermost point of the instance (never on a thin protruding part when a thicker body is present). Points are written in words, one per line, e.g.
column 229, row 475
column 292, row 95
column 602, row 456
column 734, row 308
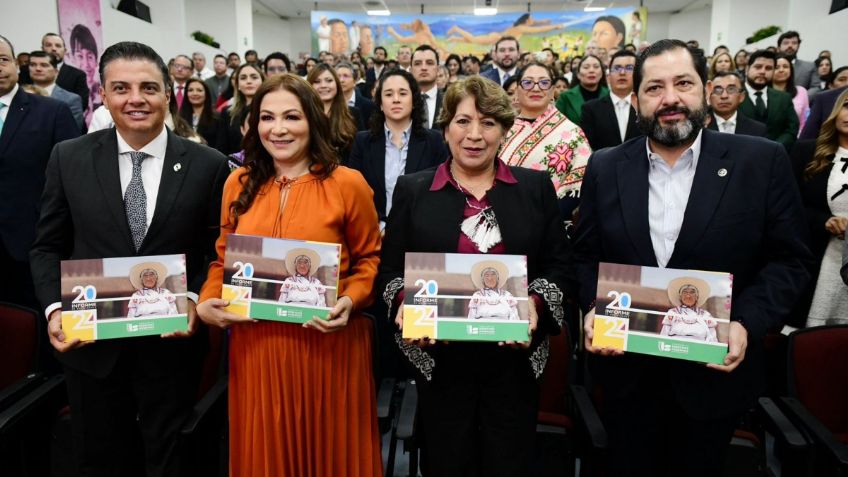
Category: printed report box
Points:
column 466, row 297
column 683, row 314
column 107, row 298
column 279, row 279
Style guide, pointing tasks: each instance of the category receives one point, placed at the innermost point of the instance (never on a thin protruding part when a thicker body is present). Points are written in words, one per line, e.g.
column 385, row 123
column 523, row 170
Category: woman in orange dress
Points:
column 301, row 398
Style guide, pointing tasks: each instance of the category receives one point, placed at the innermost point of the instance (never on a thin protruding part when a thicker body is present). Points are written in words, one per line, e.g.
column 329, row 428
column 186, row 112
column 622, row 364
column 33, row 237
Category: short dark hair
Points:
column 219, row 56
column 472, row 59
column 190, row 59
column 726, row 74
column 43, row 54
column 720, row 47
column 277, row 56
column 426, row 47
column 251, row 52
column 11, row 46
column 769, row 55
column 788, row 34
column 660, row 47
column 81, row 38
column 621, row 54
column 131, row 50
column 348, row 65
column 507, row 38
column 381, row 48
column 233, row 53
column 835, row 73
column 520, row 74
column 377, row 121
column 52, row 34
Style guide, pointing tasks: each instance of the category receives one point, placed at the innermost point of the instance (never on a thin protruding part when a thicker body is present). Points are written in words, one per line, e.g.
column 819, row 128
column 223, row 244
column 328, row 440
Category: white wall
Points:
column 657, row 27
column 818, row 30
column 27, row 22
column 213, row 17
column 690, row 25
column 271, row 34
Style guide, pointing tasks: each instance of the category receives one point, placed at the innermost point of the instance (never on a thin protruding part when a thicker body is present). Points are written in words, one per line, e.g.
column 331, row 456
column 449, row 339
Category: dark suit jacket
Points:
column 819, row 111
column 744, row 125
column 440, row 97
column 748, row 222
column 527, row 212
column 368, row 156
column 34, row 124
column 806, row 74
column 601, row 125
column 83, row 217
column 75, row 81
column 493, row 75
column 781, row 119
column 228, row 137
column 570, row 103
column 366, row 108
column 74, row 103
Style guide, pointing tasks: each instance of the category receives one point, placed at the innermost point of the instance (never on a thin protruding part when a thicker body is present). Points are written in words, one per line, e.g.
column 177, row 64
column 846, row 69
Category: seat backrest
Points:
column 818, row 373
column 18, row 342
column 553, row 391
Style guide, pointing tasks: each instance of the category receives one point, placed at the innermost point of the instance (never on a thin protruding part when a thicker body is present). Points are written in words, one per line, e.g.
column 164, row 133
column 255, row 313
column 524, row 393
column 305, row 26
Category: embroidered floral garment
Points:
column 550, row 143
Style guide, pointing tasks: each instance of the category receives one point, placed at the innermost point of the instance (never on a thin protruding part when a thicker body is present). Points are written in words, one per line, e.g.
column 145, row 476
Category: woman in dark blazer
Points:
column 478, row 401
column 821, row 167
column 397, row 129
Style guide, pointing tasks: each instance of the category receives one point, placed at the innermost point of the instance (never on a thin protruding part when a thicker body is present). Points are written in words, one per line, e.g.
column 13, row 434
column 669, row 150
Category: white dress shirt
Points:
column 432, row 94
column 502, row 72
column 352, row 100
column 395, row 163
column 622, row 113
column 726, row 125
column 668, row 195
column 6, row 100
column 752, row 94
column 203, row 74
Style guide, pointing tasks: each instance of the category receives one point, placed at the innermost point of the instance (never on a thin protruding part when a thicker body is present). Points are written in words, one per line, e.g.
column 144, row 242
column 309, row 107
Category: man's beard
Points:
column 679, row 133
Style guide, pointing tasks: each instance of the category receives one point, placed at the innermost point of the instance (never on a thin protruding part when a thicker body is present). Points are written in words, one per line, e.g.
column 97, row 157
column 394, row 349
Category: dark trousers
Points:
column 477, row 417
column 128, row 423
column 16, row 281
column 650, row 435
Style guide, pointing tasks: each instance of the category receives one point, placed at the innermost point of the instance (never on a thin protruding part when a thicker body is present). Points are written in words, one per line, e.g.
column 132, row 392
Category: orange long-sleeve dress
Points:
column 301, row 402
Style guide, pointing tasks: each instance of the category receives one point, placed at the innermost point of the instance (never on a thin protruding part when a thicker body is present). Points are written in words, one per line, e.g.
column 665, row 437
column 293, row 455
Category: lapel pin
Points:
column 179, row 166
column 721, row 172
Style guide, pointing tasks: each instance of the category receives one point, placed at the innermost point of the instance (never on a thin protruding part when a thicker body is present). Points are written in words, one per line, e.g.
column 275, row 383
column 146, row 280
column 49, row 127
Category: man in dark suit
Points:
column 42, row 68
column 689, row 199
column 425, row 66
column 373, row 74
column 30, row 126
column 505, row 60
column 134, row 190
column 768, row 105
column 69, row 78
column 599, row 115
column 726, row 93
column 348, row 76
column 819, row 111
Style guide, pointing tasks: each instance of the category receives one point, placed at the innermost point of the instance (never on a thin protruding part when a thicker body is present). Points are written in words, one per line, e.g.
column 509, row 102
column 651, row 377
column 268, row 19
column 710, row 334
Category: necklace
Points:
column 481, row 228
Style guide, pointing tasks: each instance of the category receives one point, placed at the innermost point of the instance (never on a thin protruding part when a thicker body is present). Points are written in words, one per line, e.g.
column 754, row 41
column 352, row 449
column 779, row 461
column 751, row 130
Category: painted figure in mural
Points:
column 524, row 25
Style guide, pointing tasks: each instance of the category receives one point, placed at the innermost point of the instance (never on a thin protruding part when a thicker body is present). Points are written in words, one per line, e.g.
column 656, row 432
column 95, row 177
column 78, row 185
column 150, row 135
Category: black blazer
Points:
column 440, row 96
column 527, row 212
column 600, row 124
column 83, row 217
column 744, row 125
column 819, row 111
column 747, row 220
column 75, row 81
column 368, row 156
column 34, row 124
column 228, row 136
column 366, row 109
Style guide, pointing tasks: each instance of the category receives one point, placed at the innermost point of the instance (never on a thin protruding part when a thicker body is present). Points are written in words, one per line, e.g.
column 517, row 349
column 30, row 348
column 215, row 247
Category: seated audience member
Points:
column 201, row 116
column 219, row 81
column 471, row 65
column 819, row 165
column 543, row 139
column 348, row 76
column 31, row 125
column 42, row 71
column 454, row 66
column 276, row 64
column 344, row 119
column 820, row 110
column 589, row 83
column 70, row 78
column 398, row 143
column 458, row 414
column 768, row 105
column 248, row 78
column 788, row 43
column 610, row 120
column 233, row 62
column 784, row 80
column 442, row 77
column 824, row 69
column 839, row 78
column 560, row 86
column 722, row 62
column 181, row 70
column 725, row 94
column 511, row 88
column 741, row 60
column 251, row 56
column 425, row 64
column 200, row 70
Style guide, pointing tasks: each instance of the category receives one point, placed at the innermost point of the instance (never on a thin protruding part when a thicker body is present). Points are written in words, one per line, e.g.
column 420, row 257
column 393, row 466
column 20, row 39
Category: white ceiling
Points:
column 302, row 8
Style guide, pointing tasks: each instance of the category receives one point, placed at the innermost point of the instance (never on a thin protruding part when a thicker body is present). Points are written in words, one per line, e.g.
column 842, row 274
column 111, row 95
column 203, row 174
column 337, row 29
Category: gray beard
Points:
column 676, row 134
